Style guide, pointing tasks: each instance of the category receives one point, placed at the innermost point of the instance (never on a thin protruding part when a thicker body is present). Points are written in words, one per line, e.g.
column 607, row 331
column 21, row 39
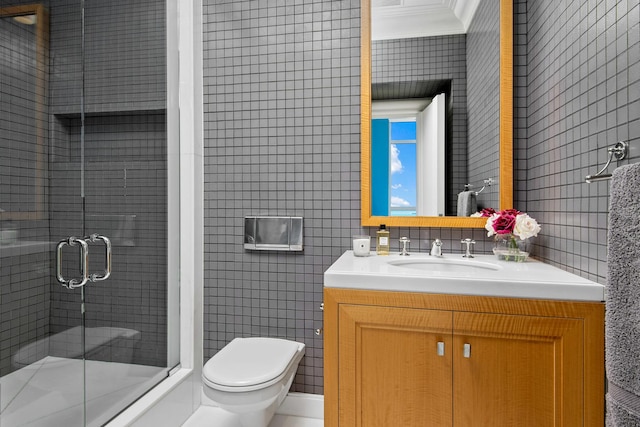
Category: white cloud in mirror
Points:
column 397, row 202
column 396, row 164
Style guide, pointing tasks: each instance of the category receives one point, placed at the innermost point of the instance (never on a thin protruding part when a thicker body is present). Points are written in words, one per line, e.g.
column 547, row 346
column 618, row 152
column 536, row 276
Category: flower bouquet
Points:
column 511, row 229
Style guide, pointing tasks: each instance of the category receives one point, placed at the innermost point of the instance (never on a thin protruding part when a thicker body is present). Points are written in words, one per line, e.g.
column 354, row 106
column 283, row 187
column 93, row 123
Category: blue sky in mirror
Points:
column 403, row 168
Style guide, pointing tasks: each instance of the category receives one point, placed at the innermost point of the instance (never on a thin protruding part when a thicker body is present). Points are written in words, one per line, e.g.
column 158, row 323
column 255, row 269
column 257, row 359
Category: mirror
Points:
column 23, row 71
column 502, row 178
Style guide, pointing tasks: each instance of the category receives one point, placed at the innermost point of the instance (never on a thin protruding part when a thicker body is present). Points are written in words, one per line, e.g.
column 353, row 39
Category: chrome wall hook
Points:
column 619, row 151
column 487, row 183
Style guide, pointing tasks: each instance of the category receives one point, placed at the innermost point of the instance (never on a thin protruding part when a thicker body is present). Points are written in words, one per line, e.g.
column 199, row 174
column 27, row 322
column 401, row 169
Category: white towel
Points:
column 622, row 318
column 467, row 203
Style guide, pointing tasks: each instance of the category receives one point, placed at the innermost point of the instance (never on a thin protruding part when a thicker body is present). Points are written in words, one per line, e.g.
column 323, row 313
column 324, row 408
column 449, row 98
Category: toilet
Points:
column 250, row 377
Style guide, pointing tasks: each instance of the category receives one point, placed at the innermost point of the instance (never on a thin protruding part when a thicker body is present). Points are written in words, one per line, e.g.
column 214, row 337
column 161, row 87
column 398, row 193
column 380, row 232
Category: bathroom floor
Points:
column 210, row 416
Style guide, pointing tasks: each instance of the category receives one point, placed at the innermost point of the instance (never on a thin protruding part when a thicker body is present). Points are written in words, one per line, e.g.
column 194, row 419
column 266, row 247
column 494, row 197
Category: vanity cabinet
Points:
column 412, row 359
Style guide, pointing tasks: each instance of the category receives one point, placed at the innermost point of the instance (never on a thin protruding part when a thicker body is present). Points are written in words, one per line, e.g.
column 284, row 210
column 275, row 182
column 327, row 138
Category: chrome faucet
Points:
column 436, row 248
column 468, row 242
column 403, row 242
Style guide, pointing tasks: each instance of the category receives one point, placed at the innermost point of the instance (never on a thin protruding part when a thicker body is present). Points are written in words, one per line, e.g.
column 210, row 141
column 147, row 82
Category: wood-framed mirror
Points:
column 502, row 179
column 24, row 69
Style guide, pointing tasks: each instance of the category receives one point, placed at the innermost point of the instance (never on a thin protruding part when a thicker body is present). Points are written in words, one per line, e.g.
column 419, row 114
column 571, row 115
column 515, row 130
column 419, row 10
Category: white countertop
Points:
column 452, row 274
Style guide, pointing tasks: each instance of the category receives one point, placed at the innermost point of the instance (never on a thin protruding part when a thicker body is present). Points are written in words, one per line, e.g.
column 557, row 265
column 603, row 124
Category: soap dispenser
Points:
column 382, row 243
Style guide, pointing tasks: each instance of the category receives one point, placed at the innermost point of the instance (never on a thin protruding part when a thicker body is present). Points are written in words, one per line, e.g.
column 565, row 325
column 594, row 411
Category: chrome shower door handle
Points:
column 107, row 261
column 84, row 263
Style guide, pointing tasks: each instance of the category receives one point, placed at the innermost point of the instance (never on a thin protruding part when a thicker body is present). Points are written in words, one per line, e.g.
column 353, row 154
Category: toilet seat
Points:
column 247, row 364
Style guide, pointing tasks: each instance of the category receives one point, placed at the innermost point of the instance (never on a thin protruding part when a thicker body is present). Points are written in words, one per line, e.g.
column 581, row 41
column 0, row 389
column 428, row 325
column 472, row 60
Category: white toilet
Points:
column 250, row 377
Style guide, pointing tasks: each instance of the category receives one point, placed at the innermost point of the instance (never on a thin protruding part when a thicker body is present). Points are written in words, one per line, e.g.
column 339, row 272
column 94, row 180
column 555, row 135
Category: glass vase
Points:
column 508, row 247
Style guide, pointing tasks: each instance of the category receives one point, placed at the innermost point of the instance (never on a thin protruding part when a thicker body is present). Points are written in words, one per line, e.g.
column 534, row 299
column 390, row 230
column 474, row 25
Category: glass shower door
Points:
column 119, row 140
column 83, row 209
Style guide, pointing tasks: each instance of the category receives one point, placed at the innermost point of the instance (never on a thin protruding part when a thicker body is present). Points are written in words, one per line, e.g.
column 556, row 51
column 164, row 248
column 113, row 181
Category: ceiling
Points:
column 399, row 19
column 408, row 90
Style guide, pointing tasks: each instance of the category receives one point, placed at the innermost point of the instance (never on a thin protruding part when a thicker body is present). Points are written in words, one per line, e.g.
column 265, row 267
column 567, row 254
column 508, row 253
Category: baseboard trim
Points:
column 303, row 405
column 295, row 404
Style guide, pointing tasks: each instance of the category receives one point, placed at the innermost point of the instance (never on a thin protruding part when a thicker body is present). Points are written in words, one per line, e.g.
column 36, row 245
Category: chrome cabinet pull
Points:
column 107, row 261
column 440, row 348
column 84, row 263
column 466, row 350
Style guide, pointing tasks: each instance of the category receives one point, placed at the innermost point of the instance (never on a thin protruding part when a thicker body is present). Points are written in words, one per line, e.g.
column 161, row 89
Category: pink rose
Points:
column 505, row 221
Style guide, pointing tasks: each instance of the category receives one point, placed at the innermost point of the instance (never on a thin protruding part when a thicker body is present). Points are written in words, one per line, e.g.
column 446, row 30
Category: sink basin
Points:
column 443, row 264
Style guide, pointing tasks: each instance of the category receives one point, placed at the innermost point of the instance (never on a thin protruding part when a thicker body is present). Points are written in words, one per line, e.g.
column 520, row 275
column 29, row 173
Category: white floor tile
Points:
column 291, row 421
column 209, row 416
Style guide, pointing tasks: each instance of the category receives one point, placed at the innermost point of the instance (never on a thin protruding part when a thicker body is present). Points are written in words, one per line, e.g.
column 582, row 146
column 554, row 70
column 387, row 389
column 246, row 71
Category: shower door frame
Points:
column 173, row 400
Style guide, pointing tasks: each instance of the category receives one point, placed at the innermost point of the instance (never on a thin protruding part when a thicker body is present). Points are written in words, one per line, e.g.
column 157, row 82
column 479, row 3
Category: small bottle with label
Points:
column 382, row 243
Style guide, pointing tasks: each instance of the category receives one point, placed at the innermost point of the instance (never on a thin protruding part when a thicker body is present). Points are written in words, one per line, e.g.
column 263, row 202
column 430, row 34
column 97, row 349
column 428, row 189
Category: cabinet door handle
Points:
column 440, row 348
column 466, row 350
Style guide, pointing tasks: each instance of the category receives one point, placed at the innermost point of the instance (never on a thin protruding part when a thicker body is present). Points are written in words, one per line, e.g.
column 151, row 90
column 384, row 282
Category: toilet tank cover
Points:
column 250, row 361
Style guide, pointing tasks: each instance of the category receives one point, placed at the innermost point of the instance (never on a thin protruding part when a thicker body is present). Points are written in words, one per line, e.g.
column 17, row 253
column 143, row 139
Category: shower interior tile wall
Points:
column 125, row 56
column 24, row 279
column 125, row 162
column 282, row 137
column 125, row 199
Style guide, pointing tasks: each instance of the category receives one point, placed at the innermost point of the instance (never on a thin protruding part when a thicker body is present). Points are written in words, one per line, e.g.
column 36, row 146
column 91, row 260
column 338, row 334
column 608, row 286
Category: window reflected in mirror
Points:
column 408, row 157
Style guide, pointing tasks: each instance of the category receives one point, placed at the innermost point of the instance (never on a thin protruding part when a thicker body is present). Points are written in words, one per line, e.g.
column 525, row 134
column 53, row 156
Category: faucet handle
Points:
column 468, row 242
column 403, row 242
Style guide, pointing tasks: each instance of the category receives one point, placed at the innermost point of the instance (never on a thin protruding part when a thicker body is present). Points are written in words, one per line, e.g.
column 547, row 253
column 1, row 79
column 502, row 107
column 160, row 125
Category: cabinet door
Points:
column 391, row 372
column 518, row 371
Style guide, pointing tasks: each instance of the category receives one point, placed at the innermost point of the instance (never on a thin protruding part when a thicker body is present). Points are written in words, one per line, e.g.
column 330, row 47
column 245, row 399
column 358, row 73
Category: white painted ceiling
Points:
column 398, row 19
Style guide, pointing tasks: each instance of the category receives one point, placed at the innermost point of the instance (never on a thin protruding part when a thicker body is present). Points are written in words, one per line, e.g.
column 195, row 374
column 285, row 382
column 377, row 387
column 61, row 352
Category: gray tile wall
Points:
column 582, row 96
column 483, row 101
column 282, row 137
column 441, row 58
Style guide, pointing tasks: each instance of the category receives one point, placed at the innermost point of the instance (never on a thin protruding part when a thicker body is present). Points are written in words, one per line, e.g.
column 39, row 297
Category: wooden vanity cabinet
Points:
column 408, row 359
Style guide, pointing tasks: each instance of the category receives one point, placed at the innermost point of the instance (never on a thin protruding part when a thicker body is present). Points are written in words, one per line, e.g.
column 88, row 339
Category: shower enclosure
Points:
column 84, row 288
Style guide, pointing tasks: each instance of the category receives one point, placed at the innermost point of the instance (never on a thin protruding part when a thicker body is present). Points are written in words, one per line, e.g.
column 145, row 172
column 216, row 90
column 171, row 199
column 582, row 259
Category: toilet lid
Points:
column 250, row 361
